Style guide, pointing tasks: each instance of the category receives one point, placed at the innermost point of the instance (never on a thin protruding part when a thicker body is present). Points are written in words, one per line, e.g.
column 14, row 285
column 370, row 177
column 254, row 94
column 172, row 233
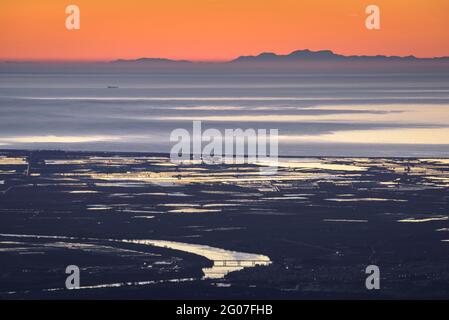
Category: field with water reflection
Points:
column 140, row 226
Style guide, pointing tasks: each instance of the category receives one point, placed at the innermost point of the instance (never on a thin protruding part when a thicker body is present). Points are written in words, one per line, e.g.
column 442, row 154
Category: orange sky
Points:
column 218, row 29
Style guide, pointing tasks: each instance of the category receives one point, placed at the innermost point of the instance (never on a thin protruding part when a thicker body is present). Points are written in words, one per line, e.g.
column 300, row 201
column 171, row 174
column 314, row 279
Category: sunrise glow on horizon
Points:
column 215, row 30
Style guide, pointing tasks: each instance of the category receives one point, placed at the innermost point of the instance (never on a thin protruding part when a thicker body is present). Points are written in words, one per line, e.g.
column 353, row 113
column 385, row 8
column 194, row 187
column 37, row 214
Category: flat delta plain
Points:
column 141, row 227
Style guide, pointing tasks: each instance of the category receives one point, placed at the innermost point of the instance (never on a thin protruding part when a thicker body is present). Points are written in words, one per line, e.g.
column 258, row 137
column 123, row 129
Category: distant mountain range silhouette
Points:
column 151, row 60
column 300, row 61
column 296, row 56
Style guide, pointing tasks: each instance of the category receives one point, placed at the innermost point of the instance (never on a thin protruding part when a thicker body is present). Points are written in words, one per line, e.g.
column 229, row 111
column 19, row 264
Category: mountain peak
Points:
column 304, row 54
column 326, row 55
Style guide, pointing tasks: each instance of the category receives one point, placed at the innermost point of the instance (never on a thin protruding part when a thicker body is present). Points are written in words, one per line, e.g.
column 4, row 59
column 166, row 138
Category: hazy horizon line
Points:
column 87, row 60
